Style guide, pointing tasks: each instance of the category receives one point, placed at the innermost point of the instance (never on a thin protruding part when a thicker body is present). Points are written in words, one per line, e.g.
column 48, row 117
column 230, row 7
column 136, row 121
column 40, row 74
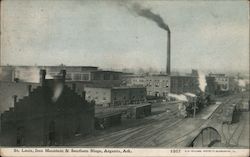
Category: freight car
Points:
column 230, row 114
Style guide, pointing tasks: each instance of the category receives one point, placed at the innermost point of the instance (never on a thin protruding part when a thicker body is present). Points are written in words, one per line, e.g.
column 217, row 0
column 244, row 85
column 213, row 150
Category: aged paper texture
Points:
column 124, row 78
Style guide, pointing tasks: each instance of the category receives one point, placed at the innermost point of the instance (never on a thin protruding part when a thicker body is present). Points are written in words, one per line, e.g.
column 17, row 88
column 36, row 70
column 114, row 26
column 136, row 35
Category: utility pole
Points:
column 194, row 107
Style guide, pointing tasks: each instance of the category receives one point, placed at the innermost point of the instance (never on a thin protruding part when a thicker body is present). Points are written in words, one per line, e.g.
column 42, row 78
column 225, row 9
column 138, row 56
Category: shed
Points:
column 107, row 119
column 139, row 111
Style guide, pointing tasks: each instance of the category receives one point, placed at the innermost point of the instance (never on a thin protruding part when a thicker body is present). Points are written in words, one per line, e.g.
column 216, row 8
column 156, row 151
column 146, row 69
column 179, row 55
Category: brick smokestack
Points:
column 63, row 73
column 168, row 67
column 42, row 76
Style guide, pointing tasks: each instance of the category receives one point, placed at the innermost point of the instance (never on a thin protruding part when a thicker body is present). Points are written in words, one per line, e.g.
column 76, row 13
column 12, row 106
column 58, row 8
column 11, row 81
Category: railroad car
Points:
column 230, row 114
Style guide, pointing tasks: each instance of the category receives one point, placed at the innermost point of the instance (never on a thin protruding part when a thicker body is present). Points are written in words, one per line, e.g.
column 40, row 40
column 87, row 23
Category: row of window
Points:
column 106, row 76
column 140, row 80
column 221, row 79
column 115, row 98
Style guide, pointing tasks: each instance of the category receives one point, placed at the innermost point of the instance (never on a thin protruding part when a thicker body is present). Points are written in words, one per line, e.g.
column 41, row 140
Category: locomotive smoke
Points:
column 202, row 81
column 180, row 97
column 57, row 92
column 148, row 14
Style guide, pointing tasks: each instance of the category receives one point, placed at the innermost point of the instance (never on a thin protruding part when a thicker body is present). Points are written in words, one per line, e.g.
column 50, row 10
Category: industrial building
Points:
column 221, row 80
column 158, row 85
column 211, row 85
column 184, row 84
column 87, row 74
column 115, row 96
column 222, row 83
column 51, row 114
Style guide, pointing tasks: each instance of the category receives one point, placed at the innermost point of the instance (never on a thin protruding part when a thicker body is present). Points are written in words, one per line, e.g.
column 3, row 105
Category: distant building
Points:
column 115, row 96
column 233, row 85
column 136, row 80
column 7, row 73
column 87, row 74
column 222, row 82
column 183, row 84
column 109, row 78
column 211, row 85
column 158, row 85
column 50, row 115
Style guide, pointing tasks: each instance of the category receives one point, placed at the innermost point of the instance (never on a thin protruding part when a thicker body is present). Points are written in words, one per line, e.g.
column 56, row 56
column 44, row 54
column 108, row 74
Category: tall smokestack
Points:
column 148, row 14
column 168, row 68
column 42, row 76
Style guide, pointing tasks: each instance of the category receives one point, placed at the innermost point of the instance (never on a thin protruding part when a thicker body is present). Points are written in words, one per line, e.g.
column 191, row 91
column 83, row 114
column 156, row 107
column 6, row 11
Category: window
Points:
column 77, row 77
column 106, row 76
column 85, row 77
column 116, row 76
column 97, row 76
column 68, row 77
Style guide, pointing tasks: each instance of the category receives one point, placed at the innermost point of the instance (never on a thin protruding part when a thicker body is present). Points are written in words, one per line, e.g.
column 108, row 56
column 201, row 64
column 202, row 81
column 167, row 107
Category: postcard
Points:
column 124, row 78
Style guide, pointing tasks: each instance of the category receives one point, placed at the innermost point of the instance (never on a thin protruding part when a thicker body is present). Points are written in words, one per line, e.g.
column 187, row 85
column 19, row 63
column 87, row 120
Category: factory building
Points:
column 50, row 114
column 109, row 78
column 222, row 83
column 135, row 80
column 31, row 73
column 184, row 84
column 211, row 85
column 116, row 96
column 87, row 74
column 7, row 73
column 158, row 85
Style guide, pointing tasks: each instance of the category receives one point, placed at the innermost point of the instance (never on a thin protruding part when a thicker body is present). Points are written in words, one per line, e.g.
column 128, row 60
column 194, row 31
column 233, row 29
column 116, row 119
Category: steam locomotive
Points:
column 196, row 103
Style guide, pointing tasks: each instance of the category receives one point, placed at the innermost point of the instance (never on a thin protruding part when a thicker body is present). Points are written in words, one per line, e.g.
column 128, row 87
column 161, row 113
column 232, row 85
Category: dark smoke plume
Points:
column 147, row 13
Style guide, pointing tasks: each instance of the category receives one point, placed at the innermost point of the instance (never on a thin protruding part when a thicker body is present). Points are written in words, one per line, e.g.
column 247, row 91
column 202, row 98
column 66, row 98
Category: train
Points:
column 197, row 102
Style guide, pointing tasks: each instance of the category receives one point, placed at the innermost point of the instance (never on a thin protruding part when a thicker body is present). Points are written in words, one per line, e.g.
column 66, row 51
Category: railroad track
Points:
column 153, row 132
column 233, row 139
column 145, row 133
column 233, row 99
column 119, row 137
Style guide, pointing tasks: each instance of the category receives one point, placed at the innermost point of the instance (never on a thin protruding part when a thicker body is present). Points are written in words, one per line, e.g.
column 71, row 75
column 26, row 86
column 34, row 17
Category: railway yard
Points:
column 164, row 128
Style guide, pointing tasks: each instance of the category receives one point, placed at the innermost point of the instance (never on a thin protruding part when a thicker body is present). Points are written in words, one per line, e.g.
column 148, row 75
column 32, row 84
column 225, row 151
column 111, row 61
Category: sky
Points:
column 206, row 35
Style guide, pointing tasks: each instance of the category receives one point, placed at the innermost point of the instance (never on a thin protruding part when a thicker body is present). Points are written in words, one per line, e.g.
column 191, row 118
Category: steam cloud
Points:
column 180, row 97
column 57, row 92
column 148, row 14
column 28, row 74
column 202, row 81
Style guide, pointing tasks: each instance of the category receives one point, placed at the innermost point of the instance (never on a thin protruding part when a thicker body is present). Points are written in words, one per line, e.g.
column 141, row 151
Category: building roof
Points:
column 106, row 71
column 102, row 112
column 139, row 105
